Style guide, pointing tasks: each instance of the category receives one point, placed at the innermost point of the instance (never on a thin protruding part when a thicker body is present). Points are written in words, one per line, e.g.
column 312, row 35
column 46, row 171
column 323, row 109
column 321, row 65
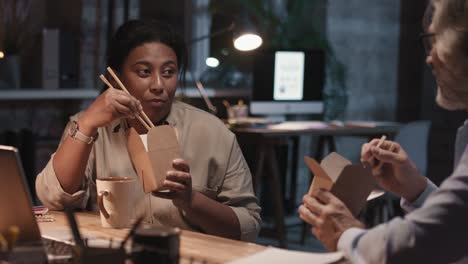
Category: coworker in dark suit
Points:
column 436, row 228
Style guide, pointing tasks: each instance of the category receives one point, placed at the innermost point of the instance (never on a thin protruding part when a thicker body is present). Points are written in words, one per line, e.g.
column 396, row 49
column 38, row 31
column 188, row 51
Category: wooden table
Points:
column 267, row 164
column 194, row 247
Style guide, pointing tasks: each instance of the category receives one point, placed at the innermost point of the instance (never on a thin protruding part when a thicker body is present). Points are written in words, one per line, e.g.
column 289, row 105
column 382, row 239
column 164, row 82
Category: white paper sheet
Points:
column 281, row 256
column 375, row 194
column 65, row 235
column 299, row 125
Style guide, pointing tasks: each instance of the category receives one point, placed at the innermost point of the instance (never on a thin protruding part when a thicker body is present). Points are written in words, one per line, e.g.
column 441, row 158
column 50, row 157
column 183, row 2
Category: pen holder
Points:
column 156, row 245
column 95, row 255
column 237, row 111
column 24, row 254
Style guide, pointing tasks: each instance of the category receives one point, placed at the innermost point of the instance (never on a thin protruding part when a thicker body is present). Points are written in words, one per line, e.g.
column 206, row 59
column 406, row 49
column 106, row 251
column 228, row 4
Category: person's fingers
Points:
column 165, row 195
column 113, row 91
column 325, row 196
column 316, row 232
column 394, row 147
column 366, row 154
column 139, row 106
column 306, row 215
column 372, row 162
column 374, row 142
column 120, row 96
column 174, row 186
column 133, row 105
column 178, row 176
column 136, row 105
column 127, row 100
column 388, row 143
column 121, row 110
column 312, row 204
column 181, row 165
column 385, row 155
column 366, row 148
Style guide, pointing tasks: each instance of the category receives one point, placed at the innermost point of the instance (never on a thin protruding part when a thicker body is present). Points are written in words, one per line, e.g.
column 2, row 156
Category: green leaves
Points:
column 291, row 24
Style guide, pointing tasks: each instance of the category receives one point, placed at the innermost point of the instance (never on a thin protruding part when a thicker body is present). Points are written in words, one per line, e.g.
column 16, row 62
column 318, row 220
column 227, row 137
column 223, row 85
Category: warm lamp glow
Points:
column 212, row 62
column 248, row 42
column 2, row 55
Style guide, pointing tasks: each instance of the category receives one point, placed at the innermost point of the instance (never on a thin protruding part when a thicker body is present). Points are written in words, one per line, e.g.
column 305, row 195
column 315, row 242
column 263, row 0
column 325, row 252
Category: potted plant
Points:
column 16, row 31
column 299, row 26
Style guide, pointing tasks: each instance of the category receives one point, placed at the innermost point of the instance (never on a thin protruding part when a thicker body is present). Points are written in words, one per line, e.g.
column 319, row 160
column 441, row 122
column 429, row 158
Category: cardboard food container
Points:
column 351, row 183
column 152, row 165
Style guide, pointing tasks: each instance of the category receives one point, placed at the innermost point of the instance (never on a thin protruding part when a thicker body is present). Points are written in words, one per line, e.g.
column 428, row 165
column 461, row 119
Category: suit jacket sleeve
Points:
column 434, row 233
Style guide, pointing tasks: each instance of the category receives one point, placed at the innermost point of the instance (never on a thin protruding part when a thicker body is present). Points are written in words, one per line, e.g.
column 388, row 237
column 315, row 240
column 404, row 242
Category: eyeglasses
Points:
column 428, row 40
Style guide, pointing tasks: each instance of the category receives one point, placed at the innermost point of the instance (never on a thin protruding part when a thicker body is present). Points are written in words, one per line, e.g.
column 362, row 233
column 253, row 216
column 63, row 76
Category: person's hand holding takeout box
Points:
column 337, row 186
column 160, row 167
column 339, row 191
column 389, row 165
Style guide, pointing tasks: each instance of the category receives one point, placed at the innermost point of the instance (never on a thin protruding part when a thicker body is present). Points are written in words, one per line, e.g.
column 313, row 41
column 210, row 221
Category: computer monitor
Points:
column 288, row 82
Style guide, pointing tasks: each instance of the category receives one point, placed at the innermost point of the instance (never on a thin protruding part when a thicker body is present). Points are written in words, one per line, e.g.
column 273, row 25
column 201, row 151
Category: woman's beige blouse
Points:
column 217, row 167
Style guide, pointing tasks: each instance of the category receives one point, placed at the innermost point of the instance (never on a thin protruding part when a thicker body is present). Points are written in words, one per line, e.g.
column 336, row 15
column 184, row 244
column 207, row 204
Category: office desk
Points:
column 265, row 139
column 197, row 247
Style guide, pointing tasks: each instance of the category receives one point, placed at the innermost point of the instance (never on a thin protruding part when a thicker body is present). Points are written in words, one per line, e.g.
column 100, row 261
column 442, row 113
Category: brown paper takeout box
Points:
column 351, row 183
column 152, row 165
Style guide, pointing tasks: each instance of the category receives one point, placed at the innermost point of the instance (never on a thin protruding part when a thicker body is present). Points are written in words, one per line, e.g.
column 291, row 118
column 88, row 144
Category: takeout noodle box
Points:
column 152, row 165
column 351, row 183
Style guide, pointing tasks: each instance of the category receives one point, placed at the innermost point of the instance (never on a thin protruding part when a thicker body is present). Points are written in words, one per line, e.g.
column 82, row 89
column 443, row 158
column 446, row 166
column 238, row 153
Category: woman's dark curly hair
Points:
column 134, row 33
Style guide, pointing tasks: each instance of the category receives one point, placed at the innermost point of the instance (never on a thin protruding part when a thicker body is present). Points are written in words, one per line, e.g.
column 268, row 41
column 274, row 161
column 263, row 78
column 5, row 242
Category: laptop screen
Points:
column 15, row 200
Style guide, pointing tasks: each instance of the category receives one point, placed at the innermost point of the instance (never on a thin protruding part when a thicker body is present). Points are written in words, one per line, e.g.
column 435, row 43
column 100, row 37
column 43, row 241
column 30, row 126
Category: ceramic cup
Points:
column 116, row 196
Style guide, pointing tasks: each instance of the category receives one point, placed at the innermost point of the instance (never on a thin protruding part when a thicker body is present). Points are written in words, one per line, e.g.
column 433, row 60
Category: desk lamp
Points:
column 245, row 38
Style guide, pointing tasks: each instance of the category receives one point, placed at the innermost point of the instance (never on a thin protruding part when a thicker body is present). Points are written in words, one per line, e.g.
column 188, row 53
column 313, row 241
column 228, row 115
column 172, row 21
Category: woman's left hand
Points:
column 328, row 216
column 179, row 184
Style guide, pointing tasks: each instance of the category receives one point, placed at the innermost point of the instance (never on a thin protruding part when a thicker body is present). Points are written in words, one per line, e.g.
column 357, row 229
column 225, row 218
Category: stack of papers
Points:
column 299, row 125
column 281, row 256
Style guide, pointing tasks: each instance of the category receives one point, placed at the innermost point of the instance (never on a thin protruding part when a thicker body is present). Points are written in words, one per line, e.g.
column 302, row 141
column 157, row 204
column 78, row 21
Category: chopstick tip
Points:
column 381, row 141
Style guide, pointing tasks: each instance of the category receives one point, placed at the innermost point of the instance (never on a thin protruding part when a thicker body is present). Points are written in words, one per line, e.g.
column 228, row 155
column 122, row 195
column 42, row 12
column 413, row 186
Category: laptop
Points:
column 16, row 208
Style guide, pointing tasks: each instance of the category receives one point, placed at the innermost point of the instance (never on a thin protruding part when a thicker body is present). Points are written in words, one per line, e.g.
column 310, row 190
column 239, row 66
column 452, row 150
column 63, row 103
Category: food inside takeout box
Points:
column 152, row 165
column 351, row 183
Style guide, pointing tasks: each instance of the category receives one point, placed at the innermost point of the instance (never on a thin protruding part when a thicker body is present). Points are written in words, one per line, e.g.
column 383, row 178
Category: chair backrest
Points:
column 413, row 137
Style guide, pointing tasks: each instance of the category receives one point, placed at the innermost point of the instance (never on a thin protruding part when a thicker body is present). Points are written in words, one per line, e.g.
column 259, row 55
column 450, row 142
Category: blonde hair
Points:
column 450, row 23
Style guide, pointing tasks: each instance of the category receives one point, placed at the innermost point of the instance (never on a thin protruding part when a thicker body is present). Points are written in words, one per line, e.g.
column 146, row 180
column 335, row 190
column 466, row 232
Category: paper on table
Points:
column 375, row 194
column 279, row 256
column 357, row 123
column 64, row 235
column 360, row 124
column 299, row 125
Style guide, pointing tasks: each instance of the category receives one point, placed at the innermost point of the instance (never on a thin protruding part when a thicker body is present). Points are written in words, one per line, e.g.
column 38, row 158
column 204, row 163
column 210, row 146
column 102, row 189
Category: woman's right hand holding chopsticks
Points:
column 393, row 169
column 111, row 105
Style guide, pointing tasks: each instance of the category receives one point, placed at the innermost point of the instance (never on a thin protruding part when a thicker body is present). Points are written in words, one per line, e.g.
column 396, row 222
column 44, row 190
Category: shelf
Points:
column 192, row 92
column 41, row 94
column 82, row 94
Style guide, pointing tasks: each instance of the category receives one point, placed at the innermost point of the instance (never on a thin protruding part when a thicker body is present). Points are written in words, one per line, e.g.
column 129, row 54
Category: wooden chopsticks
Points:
column 379, row 144
column 142, row 117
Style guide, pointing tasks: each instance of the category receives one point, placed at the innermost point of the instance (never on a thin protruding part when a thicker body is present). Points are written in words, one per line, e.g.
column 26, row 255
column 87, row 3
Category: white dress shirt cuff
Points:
column 348, row 241
column 408, row 207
